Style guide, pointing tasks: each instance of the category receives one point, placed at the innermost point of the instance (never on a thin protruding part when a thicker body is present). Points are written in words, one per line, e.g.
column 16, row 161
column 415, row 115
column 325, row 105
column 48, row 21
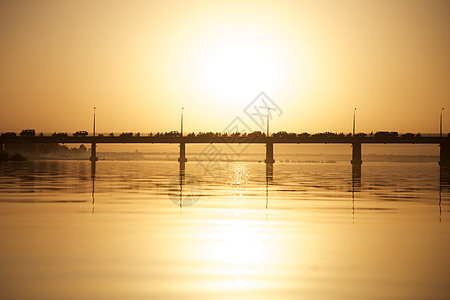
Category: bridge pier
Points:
column 93, row 157
column 356, row 161
column 269, row 153
column 356, row 154
column 444, row 160
column 182, row 159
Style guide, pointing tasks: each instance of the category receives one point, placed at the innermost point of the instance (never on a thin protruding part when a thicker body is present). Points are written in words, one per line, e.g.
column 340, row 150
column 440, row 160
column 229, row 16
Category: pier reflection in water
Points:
column 93, row 166
column 269, row 181
column 151, row 229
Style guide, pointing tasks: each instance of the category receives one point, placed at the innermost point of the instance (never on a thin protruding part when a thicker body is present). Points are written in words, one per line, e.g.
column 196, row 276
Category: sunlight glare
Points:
column 239, row 244
column 237, row 66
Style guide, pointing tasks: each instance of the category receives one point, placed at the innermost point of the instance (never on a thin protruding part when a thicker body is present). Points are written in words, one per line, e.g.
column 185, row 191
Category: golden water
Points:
column 306, row 232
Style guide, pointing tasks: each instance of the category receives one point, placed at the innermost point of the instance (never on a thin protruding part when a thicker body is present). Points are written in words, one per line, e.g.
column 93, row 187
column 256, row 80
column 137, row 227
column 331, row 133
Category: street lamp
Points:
column 182, row 112
column 94, row 122
column 440, row 127
column 354, row 118
column 268, row 115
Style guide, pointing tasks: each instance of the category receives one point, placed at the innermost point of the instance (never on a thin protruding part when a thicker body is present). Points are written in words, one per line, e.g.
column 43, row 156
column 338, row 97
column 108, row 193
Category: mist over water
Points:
column 140, row 229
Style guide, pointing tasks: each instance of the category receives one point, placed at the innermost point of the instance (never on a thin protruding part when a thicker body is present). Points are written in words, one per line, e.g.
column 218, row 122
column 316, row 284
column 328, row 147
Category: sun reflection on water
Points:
column 239, row 175
column 238, row 249
column 238, row 243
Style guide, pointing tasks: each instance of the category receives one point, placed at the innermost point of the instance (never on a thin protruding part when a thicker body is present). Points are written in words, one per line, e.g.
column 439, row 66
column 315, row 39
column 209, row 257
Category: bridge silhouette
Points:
column 354, row 141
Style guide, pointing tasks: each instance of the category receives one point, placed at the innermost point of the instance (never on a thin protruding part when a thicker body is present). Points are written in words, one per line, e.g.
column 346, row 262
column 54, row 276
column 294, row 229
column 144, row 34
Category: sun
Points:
column 228, row 63
column 238, row 67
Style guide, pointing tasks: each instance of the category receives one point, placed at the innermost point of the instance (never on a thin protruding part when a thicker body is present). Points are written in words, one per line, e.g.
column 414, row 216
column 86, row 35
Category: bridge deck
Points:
column 238, row 140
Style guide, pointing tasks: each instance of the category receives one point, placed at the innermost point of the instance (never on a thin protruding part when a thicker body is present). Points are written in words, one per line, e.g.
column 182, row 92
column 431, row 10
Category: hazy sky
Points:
column 139, row 62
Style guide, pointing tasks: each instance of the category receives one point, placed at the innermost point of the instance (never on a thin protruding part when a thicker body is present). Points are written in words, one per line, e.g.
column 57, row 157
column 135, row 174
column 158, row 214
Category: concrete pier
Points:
column 182, row 159
column 444, row 160
column 93, row 157
column 356, row 154
column 269, row 153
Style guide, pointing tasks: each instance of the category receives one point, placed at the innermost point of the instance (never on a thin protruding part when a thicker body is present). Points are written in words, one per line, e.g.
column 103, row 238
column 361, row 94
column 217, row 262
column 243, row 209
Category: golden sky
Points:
column 140, row 62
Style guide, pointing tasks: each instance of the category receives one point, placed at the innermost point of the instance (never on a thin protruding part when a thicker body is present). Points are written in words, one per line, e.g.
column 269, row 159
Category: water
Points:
column 305, row 231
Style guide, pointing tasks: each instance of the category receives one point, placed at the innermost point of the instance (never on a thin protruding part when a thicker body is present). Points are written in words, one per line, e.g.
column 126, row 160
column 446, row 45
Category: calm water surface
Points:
column 140, row 230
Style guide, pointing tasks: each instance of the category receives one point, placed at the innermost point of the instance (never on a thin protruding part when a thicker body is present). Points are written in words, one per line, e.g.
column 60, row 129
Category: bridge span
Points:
column 354, row 141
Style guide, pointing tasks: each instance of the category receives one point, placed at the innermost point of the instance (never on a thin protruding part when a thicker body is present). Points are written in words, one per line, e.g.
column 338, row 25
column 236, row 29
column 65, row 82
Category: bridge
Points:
column 354, row 141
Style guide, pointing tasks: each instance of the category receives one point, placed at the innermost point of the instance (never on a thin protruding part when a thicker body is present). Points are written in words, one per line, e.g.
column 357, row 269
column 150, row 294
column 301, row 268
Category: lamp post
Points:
column 354, row 119
column 182, row 112
column 268, row 115
column 93, row 134
column 440, row 125
column 93, row 158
